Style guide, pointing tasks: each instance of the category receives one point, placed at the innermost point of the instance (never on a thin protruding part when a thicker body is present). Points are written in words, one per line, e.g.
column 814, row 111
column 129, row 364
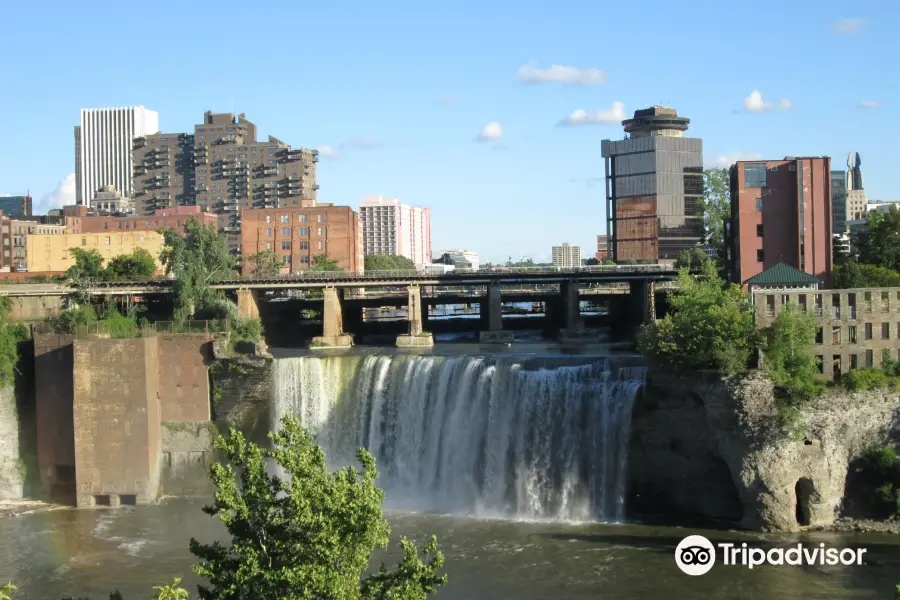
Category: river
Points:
column 514, row 459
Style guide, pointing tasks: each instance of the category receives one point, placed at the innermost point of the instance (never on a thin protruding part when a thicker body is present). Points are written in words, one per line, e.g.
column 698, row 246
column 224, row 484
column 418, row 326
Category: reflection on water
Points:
column 133, row 548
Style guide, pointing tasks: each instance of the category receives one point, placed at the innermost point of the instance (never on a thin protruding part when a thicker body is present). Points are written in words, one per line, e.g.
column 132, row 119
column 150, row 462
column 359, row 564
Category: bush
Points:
column 863, row 380
column 120, row 326
column 72, row 318
column 788, row 356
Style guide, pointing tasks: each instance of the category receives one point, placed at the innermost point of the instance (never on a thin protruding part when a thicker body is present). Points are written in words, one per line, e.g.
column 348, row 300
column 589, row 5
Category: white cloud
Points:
column 63, row 195
column 614, row 114
column 754, row 103
column 328, row 152
column 726, row 160
column 847, row 26
column 491, row 132
column 561, row 74
column 869, row 104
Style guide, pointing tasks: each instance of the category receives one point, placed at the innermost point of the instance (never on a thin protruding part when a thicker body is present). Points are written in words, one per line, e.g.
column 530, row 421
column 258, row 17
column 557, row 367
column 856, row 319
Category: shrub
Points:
column 788, row 356
column 862, row 380
column 120, row 326
column 72, row 318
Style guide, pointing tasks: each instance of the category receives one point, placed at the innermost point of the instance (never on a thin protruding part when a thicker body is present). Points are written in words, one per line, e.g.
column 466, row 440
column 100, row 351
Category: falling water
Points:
column 473, row 435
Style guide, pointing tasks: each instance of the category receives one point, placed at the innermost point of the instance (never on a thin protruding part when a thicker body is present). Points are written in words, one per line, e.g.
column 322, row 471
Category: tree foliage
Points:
column 788, row 353
column 709, row 325
column 261, row 264
column 388, row 262
column 88, row 264
column 196, row 260
column 130, row 267
column 879, row 242
column 853, row 274
column 307, row 534
column 10, row 336
column 321, row 262
column 692, row 259
column 716, row 206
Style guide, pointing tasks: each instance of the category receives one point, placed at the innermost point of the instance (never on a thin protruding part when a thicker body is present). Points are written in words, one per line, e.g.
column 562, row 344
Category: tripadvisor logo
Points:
column 696, row 555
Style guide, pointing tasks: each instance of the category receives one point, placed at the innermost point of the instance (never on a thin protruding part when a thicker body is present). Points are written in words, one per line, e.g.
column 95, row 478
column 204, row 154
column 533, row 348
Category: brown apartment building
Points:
column 296, row 235
column 780, row 212
column 222, row 169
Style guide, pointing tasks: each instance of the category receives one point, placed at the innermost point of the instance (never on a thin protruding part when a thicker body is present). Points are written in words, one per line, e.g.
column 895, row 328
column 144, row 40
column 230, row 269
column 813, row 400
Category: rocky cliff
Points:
column 707, row 447
column 12, row 474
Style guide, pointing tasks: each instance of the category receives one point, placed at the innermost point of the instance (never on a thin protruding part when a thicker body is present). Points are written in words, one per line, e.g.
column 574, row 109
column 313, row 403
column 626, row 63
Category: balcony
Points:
column 227, row 139
column 140, row 170
column 139, row 142
column 231, row 229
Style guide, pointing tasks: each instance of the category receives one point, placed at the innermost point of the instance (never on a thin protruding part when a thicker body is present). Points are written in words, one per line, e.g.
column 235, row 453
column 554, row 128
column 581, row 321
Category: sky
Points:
column 490, row 113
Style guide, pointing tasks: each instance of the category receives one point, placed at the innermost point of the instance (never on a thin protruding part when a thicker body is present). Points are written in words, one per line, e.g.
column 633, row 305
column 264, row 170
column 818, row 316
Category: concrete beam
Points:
column 333, row 335
column 417, row 337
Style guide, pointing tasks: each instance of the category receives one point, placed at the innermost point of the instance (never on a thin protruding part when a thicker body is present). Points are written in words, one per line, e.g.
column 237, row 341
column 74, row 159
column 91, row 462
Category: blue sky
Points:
column 401, row 90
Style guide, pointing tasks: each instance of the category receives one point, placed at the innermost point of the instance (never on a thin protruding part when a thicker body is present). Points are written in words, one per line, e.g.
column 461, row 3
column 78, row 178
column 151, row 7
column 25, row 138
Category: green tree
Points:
column 196, row 260
column 692, row 259
column 88, row 264
column 172, row 591
column 388, row 262
column 309, row 534
column 879, row 242
column 716, row 206
column 321, row 262
column 788, row 353
column 262, row 264
column 10, row 336
column 709, row 326
column 136, row 266
column 853, row 274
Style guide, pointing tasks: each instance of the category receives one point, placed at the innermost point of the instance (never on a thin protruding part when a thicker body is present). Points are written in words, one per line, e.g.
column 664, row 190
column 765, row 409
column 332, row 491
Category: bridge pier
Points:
column 417, row 337
column 333, row 335
column 248, row 308
column 492, row 316
column 643, row 300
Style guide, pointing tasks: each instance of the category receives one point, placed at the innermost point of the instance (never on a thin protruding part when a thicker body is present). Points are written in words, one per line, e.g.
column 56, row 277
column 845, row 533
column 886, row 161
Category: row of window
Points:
column 300, row 218
column 301, row 231
column 868, row 300
column 304, row 245
column 852, row 333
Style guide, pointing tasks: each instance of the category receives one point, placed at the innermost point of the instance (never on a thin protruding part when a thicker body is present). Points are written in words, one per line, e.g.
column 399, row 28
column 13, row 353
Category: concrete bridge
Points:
column 415, row 289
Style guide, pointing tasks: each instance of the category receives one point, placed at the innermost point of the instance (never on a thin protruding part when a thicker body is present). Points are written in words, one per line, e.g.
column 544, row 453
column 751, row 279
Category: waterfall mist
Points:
column 472, row 435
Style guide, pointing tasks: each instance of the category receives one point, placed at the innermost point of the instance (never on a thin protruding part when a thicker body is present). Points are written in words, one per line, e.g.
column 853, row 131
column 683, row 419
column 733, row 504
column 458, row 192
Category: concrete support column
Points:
column 333, row 335
column 641, row 303
column 247, row 305
column 571, row 311
column 417, row 337
column 492, row 317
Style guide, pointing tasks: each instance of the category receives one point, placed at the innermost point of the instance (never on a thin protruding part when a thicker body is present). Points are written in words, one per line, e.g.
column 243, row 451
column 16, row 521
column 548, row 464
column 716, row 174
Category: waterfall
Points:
column 470, row 434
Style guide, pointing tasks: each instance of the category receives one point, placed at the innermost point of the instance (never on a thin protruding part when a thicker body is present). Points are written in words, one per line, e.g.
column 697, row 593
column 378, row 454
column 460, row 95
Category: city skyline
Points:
column 500, row 141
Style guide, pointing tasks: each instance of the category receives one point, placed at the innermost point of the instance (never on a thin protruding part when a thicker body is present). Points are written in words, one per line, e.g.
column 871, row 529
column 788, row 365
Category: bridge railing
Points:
column 102, row 330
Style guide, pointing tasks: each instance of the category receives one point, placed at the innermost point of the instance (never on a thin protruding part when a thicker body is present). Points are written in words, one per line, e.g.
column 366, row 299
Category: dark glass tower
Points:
column 654, row 188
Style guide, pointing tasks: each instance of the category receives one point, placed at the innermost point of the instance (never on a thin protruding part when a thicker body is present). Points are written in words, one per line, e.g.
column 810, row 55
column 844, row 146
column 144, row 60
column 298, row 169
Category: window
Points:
column 885, row 331
column 84, row 241
column 851, row 334
column 268, row 232
column 870, row 361
column 285, row 245
column 285, row 218
column 802, row 300
column 286, row 231
column 303, row 231
column 105, row 225
column 774, row 168
column 868, row 331
column 304, row 245
column 318, row 218
column 759, row 231
column 854, row 361
column 760, row 255
column 755, row 175
column 819, row 335
column 885, row 302
column 304, row 259
column 302, row 218
column 119, row 225
column 320, row 244
column 286, row 259
column 759, row 206
column 108, row 241
column 268, row 218
column 319, row 232
column 836, row 334
column 268, row 245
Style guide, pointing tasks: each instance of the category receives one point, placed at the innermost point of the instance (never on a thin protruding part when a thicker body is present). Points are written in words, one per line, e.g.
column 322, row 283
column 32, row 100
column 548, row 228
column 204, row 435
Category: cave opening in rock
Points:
column 804, row 492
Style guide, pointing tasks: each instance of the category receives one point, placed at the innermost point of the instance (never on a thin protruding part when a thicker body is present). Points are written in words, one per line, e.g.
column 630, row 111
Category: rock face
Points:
column 12, row 476
column 711, row 448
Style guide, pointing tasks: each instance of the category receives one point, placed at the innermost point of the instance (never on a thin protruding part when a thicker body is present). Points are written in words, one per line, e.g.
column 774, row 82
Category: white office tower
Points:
column 566, row 256
column 103, row 148
column 390, row 227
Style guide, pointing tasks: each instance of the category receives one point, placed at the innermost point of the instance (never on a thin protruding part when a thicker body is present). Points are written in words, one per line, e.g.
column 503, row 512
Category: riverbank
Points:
column 18, row 508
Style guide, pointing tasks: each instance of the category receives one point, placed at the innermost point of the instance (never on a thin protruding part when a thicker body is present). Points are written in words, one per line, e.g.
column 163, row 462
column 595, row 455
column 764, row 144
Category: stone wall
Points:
column 242, row 390
column 36, row 308
column 55, row 442
column 187, row 453
column 116, row 421
column 12, row 476
column 705, row 447
column 184, row 377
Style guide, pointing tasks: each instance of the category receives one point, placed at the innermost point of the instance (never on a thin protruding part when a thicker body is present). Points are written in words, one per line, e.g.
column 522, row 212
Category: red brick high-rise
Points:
column 780, row 212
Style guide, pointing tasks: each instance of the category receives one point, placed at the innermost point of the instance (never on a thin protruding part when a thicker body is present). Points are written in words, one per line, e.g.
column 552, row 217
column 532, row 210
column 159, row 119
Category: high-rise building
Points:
column 602, row 248
column 16, row 206
column 103, row 146
column 390, row 227
column 839, row 202
column 222, row 169
column 654, row 188
column 566, row 256
column 780, row 213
